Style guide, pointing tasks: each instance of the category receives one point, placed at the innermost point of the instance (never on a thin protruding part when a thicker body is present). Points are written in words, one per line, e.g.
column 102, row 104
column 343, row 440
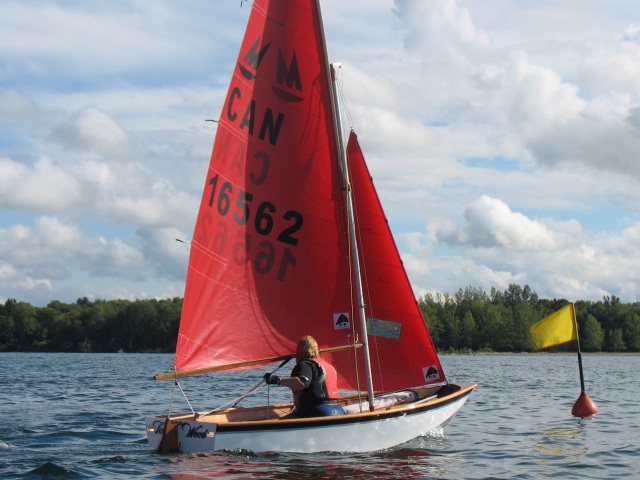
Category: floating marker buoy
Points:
column 584, row 406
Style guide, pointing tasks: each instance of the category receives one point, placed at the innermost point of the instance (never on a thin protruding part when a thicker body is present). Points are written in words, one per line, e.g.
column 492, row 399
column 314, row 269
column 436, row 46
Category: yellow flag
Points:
column 555, row 329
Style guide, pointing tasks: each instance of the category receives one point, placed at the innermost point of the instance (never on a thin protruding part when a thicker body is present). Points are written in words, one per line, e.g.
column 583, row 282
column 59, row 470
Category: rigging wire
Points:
column 365, row 278
column 173, row 391
column 343, row 103
column 366, row 294
column 354, row 333
column 185, row 397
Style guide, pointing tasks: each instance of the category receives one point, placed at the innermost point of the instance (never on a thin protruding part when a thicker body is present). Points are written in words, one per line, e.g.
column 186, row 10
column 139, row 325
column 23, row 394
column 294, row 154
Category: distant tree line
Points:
column 86, row 326
column 472, row 320
column 468, row 321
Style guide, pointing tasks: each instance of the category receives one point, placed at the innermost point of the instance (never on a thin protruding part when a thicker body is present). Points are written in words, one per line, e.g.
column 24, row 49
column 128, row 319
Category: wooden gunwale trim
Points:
column 363, row 417
column 224, row 424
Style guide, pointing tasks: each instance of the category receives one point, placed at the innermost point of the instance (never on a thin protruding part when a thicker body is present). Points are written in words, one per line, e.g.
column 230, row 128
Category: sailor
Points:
column 313, row 381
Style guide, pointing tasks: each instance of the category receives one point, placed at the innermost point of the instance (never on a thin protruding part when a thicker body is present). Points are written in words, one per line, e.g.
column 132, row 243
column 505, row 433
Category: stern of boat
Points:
column 170, row 435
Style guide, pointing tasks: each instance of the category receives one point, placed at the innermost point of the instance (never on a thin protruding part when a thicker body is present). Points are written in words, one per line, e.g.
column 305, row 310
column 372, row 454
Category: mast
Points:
column 352, row 234
column 342, row 155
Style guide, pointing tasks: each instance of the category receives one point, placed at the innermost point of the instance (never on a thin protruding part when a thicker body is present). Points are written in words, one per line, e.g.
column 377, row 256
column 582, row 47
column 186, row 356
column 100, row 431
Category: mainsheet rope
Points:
column 242, row 397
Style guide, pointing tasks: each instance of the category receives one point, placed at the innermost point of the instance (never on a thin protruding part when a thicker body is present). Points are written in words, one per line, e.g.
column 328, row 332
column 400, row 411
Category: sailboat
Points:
column 291, row 240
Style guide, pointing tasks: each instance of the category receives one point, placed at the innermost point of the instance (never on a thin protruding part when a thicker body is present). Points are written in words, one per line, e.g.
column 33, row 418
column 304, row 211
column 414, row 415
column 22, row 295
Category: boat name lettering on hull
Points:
column 158, row 426
column 194, row 432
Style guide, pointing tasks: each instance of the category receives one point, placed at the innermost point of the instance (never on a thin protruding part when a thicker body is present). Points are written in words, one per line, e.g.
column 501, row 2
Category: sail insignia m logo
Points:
column 289, row 84
column 252, row 59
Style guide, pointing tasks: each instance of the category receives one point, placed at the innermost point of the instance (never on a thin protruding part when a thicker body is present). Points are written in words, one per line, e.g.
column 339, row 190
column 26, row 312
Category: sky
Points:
column 503, row 137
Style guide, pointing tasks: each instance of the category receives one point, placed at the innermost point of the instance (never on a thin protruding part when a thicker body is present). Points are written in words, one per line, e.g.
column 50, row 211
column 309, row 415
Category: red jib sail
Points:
column 402, row 352
column 269, row 260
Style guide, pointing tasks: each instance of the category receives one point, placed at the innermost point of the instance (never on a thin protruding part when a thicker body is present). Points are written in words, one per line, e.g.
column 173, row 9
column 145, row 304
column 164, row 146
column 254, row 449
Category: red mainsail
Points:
column 269, row 259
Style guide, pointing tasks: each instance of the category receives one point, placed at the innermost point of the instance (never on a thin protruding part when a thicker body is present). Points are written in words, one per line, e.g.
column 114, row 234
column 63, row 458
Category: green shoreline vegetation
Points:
column 469, row 321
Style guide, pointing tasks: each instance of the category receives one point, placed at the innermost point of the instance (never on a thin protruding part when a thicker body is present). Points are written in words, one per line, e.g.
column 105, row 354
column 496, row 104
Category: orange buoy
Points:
column 584, row 406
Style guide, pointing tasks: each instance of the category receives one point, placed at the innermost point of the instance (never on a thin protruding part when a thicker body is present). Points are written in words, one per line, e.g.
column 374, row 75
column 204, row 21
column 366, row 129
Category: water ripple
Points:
column 80, row 416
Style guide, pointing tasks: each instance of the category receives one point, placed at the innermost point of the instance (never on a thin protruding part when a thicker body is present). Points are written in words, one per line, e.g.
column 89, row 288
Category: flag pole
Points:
column 584, row 406
column 575, row 325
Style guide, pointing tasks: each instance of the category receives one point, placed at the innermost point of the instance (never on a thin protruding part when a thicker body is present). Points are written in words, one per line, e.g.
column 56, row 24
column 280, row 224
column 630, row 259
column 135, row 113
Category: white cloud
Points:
column 55, row 251
column 53, row 248
column 165, row 248
column 91, row 130
column 606, row 70
column 498, row 246
column 441, row 28
column 502, row 138
column 40, row 187
column 491, row 223
column 96, row 38
column 16, row 107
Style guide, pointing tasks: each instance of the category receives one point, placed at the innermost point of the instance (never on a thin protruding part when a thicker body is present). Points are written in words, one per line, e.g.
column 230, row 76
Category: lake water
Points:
column 81, row 416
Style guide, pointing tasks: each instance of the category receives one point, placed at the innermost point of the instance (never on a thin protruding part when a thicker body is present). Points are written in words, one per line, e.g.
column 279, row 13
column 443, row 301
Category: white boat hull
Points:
column 364, row 432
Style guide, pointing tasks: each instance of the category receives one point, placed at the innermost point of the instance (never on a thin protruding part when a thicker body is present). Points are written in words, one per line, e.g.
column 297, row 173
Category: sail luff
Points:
column 329, row 81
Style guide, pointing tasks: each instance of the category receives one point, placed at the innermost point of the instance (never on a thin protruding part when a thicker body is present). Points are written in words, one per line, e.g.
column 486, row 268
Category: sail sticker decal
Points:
column 341, row 321
column 431, row 373
column 384, row 328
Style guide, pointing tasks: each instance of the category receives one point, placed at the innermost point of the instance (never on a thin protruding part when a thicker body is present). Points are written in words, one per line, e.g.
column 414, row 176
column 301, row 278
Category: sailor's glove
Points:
column 272, row 379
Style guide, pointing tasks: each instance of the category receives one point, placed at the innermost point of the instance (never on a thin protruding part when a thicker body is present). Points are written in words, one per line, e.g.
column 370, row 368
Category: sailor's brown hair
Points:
column 307, row 348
